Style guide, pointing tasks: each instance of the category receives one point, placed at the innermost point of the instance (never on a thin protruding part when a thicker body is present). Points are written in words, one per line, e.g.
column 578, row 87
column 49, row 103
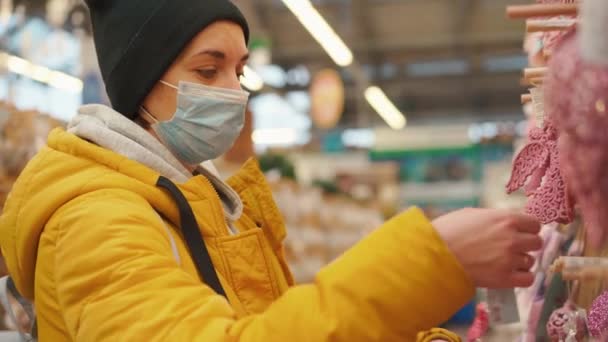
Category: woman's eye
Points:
column 207, row 73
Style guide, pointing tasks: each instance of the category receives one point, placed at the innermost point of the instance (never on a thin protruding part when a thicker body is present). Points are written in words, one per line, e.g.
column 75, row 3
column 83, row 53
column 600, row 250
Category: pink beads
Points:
column 598, row 317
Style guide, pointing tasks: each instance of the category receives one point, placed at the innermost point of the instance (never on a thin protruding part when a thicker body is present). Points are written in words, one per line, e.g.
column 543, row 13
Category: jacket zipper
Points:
column 219, row 200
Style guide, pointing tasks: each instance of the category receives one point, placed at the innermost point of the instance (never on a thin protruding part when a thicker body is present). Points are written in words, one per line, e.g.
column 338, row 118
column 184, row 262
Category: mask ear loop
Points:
column 147, row 113
column 150, row 116
column 169, row 85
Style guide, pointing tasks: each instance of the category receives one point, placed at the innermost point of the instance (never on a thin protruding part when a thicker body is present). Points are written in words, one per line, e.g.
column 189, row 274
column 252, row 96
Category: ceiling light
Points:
column 65, row 82
column 18, row 65
column 385, row 108
column 41, row 73
column 312, row 20
column 251, row 80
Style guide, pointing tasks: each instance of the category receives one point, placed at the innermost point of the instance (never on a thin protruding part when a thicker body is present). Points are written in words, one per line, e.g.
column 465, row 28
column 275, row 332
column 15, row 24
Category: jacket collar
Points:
column 109, row 129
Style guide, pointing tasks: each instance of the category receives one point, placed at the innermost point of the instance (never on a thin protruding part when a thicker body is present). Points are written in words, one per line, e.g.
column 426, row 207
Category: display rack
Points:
column 569, row 300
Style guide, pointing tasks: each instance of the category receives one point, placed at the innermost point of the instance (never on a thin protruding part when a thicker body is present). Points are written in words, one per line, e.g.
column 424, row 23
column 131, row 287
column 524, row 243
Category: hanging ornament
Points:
column 576, row 100
column 566, row 324
column 537, row 169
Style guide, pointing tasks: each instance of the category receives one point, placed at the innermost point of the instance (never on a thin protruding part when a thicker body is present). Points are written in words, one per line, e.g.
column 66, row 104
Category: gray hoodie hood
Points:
column 109, row 129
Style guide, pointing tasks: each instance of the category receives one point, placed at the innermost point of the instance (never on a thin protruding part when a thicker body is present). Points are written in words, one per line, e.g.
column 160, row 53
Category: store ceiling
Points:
column 434, row 58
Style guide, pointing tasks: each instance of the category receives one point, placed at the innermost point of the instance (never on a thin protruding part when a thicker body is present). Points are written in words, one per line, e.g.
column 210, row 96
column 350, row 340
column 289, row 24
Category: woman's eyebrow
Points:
column 217, row 54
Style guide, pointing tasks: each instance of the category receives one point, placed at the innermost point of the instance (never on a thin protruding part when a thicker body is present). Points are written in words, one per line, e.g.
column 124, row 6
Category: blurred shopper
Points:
column 120, row 232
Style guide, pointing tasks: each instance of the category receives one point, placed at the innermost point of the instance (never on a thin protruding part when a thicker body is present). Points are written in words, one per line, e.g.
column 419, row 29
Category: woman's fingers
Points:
column 526, row 223
column 524, row 262
column 525, row 243
column 492, row 245
column 521, row 279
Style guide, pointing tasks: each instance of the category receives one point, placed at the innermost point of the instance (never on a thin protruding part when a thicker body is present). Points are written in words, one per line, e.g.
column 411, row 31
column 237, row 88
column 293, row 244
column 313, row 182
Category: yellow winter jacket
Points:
column 89, row 237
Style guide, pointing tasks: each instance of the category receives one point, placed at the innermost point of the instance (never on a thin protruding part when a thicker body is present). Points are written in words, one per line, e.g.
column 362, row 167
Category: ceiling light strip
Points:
column 321, row 31
column 55, row 79
column 385, row 108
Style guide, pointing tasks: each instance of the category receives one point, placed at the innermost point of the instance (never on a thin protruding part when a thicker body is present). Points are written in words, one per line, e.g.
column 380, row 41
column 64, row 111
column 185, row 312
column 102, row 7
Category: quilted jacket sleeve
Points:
column 117, row 281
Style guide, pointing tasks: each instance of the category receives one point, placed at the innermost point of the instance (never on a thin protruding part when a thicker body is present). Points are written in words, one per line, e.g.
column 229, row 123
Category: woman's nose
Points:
column 233, row 83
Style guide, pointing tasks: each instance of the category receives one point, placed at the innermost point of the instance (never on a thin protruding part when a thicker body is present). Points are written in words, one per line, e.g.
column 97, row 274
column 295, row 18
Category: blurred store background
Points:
column 383, row 104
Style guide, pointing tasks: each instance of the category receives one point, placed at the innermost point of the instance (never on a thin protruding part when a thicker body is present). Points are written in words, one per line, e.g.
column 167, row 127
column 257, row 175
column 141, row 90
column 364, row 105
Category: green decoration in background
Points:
column 418, row 165
column 328, row 187
column 276, row 162
column 257, row 42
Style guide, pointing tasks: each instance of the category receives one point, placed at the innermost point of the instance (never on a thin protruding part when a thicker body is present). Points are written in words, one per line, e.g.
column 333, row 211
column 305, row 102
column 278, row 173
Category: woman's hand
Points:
column 492, row 245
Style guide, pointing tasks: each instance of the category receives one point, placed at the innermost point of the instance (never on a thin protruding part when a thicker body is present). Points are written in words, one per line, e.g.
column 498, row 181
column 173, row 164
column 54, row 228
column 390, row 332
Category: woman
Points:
column 118, row 232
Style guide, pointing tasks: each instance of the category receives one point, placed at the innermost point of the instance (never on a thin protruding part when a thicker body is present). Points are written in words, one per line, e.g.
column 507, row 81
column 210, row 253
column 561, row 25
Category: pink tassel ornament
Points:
column 576, row 99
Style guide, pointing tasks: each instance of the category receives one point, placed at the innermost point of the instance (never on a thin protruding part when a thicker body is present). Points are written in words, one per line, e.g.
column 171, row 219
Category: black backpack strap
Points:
column 11, row 290
column 27, row 306
column 194, row 239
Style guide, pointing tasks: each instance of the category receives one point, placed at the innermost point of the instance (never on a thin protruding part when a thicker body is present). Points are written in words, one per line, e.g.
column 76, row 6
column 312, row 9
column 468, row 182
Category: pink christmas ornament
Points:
column 598, row 318
column 560, row 319
column 576, row 100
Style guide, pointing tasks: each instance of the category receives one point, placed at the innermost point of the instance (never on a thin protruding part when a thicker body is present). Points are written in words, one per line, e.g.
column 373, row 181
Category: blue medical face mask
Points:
column 207, row 122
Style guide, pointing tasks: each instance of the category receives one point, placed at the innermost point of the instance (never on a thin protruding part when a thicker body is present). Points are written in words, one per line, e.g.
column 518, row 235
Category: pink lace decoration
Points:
column 537, row 169
column 576, row 99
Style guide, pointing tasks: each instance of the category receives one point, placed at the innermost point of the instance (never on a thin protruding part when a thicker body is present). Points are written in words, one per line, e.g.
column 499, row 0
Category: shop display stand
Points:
column 321, row 225
column 571, row 263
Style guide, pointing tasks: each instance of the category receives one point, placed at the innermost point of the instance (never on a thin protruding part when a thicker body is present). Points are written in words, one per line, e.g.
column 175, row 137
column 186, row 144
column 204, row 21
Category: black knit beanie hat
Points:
column 138, row 40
